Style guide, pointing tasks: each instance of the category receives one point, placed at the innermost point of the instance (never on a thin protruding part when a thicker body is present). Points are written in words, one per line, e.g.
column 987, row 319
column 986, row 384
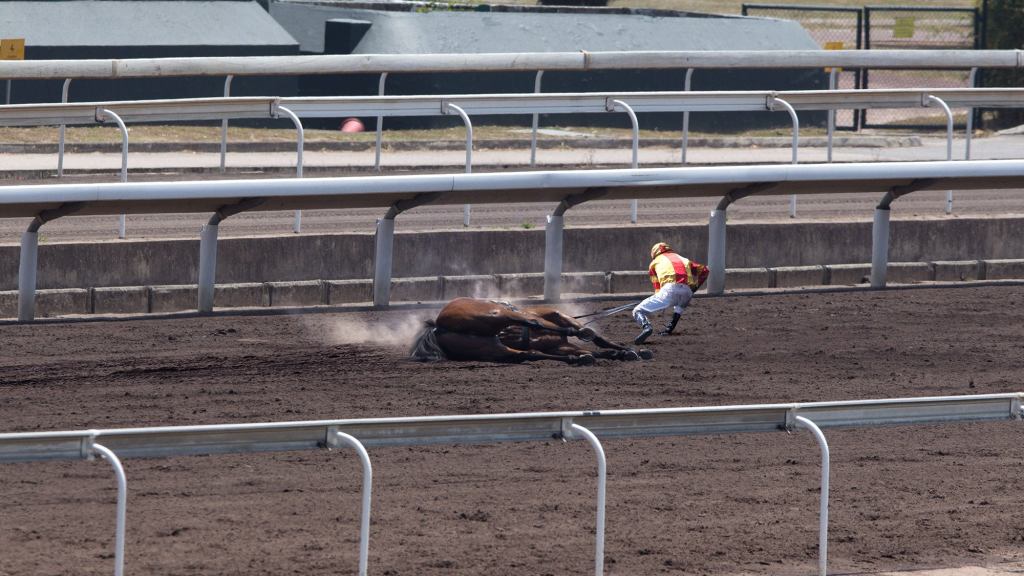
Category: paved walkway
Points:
column 579, row 154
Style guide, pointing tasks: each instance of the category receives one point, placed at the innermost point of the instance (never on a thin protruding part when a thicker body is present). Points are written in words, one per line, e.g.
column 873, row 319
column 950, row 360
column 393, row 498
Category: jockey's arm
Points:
column 702, row 273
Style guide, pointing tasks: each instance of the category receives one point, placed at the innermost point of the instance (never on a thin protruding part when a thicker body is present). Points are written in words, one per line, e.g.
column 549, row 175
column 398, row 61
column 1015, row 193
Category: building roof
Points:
column 150, row 23
column 441, row 31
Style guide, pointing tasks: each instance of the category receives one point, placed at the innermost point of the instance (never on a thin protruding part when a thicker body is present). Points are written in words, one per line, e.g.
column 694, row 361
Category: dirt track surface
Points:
column 902, row 498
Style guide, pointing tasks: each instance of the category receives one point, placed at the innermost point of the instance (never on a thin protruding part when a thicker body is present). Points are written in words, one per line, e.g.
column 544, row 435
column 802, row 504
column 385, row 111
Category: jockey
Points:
column 675, row 279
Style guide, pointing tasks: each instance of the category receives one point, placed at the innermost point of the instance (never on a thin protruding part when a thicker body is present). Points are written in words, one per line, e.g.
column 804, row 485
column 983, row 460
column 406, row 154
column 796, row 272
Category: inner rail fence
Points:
column 591, row 426
column 466, row 106
column 580, row 61
column 565, row 189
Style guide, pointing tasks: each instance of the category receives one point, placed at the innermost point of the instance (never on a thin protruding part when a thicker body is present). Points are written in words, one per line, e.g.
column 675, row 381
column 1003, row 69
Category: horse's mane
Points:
column 425, row 347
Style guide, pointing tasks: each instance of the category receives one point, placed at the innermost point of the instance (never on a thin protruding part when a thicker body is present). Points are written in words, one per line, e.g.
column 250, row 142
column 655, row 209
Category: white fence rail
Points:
column 506, row 104
column 385, row 64
column 565, row 188
column 591, row 426
column 526, row 61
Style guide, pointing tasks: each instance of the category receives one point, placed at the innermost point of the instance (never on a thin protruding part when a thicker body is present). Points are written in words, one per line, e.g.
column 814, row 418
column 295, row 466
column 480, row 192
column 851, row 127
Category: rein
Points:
column 606, row 312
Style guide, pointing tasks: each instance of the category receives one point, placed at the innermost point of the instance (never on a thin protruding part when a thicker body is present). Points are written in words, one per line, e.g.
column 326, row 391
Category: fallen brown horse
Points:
column 491, row 331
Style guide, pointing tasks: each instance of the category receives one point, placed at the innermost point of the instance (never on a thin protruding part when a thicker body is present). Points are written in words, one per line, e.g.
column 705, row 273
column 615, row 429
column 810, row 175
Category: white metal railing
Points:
column 509, row 104
column 120, row 112
column 503, row 104
column 564, row 188
column 591, row 425
column 525, row 61
column 384, row 64
column 185, row 109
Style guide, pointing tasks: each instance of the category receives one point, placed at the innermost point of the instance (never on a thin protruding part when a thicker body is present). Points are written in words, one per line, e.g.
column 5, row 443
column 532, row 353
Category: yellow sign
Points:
column 12, row 49
column 833, row 46
column 904, row 27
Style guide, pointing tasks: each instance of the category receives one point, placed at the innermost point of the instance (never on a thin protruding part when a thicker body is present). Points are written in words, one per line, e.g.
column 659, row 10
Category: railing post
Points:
column 380, row 123
column 716, row 252
column 949, row 142
column 448, row 108
column 553, row 237
column 224, row 126
column 27, row 268
column 102, row 116
column 614, row 106
column 572, row 431
column 536, row 120
column 879, row 247
column 971, row 81
column 796, row 142
column 301, row 138
column 686, row 115
column 207, row 267
column 61, row 130
column 336, row 438
column 122, row 499
column 823, row 504
column 832, row 111
column 383, row 249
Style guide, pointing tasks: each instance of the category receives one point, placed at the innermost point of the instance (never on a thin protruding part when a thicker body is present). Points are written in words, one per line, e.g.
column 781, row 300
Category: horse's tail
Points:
column 425, row 348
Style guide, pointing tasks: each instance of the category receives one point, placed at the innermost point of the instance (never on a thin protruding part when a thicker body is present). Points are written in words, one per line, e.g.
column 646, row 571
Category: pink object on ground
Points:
column 352, row 125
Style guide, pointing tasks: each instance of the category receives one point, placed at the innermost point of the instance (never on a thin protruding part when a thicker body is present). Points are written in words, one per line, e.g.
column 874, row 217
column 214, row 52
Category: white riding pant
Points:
column 676, row 295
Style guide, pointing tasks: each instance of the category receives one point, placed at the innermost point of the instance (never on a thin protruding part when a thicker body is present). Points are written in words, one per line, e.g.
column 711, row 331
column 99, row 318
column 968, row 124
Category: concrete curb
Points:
column 437, row 304
column 170, row 299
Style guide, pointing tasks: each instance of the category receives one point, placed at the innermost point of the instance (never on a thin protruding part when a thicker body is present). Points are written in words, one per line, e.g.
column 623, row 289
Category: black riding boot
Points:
column 645, row 333
column 670, row 325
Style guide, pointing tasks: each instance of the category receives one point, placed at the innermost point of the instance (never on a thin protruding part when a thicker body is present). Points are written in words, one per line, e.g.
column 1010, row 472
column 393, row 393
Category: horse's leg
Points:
column 604, row 353
column 620, row 352
column 583, row 333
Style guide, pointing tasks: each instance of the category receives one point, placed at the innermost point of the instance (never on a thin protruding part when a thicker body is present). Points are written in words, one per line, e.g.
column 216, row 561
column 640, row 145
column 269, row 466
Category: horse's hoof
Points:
column 586, row 334
column 645, row 354
column 630, row 355
column 585, row 360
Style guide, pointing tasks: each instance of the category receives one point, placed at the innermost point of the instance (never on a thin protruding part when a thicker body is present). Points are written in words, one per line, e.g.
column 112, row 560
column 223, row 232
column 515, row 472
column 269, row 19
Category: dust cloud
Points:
column 391, row 333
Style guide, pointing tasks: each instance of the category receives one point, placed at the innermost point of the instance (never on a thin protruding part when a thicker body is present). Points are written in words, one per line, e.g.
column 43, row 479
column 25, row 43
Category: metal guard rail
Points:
column 139, row 111
column 476, row 429
column 536, row 103
column 550, row 61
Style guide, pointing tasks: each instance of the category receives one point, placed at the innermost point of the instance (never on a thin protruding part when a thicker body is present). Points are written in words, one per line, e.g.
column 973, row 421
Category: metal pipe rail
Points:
column 476, row 429
column 518, row 427
column 491, row 62
column 903, row 98
column 87, row 113
column 185, row 109
column 531, row 103
column 641, row 102
column 536, row 103
column 508, row 187
column 505, row 187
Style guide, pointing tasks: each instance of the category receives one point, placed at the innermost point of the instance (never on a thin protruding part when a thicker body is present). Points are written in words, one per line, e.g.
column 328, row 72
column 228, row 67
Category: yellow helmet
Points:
column 660, row 248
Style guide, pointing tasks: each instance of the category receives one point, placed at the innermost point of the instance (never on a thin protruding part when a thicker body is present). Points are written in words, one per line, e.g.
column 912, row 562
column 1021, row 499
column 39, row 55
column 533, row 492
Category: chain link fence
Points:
column 917, row 29
column 888, row 28
column 833, row 29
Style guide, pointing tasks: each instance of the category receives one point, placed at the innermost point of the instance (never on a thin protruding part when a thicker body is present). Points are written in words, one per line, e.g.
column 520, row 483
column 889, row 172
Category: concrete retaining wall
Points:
column 468, row 253
column 160, row 276
column 176, row 298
